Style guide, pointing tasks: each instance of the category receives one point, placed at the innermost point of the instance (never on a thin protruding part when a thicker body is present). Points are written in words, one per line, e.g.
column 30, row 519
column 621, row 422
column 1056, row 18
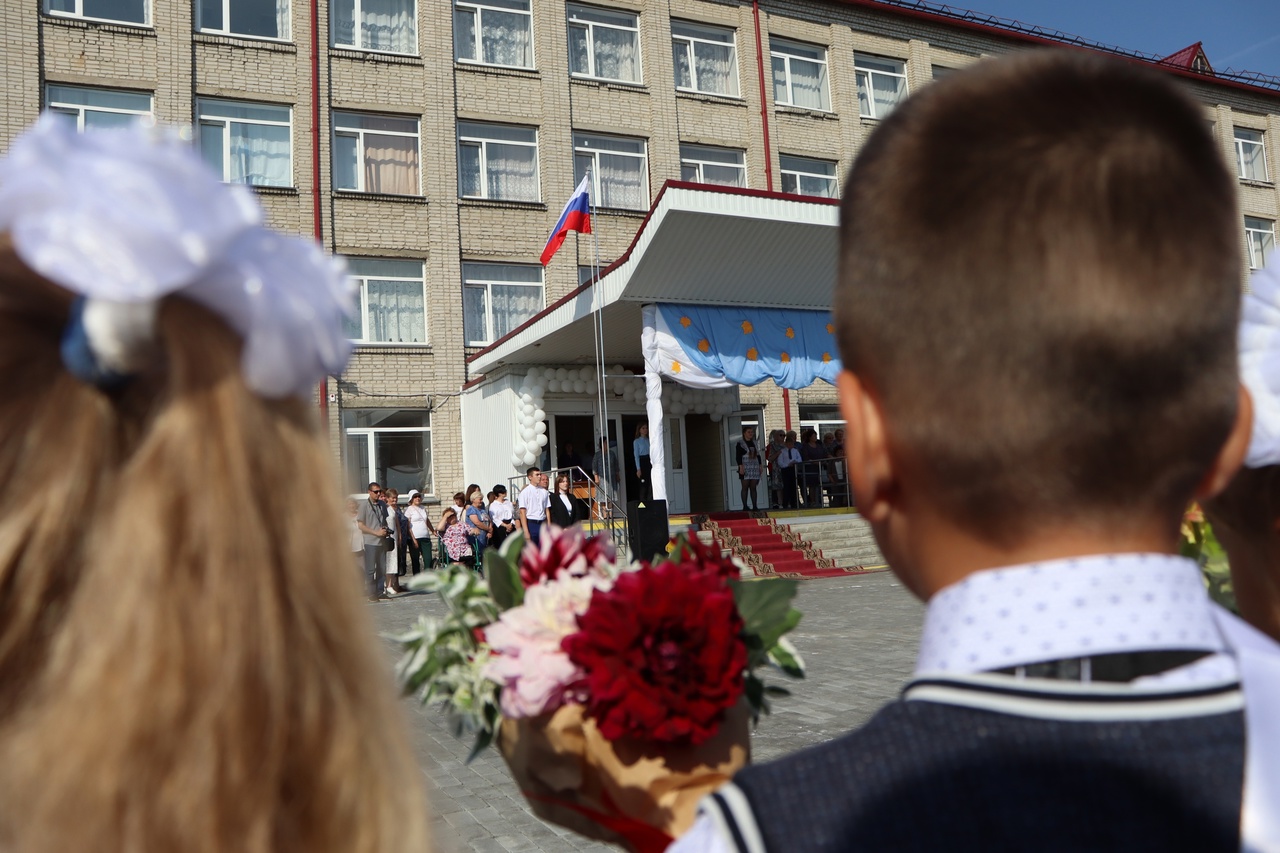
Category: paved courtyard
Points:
column 859, row 638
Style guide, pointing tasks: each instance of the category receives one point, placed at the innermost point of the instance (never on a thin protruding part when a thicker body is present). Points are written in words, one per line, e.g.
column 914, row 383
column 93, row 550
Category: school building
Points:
column 433, row 144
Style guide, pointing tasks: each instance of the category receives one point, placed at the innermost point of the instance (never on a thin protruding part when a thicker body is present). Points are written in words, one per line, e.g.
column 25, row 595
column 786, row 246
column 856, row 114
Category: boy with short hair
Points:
column 1037, row 307
column 532, row 503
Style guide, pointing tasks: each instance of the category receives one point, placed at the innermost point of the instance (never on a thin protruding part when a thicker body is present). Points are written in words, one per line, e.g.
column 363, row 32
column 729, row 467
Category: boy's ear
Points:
column 866, row 448
column 1231, row 456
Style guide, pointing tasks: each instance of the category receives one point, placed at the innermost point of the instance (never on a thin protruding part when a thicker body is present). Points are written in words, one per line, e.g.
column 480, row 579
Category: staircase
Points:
column 764, row 548
column 846, row 539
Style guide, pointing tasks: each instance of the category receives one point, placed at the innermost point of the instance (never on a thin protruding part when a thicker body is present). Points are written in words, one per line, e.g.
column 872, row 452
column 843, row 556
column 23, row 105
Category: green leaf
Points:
column 484, row 738
column 787, row 658
column 764, row 606
column 770, row 638
column 504, row 579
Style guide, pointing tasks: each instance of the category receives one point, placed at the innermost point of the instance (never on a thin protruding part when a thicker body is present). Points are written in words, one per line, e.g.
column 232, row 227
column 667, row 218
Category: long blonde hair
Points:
column 182, row 667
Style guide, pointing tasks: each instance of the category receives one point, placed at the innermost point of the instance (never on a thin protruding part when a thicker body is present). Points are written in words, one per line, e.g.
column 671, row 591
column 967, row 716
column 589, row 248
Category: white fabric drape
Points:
column 260, row 155
column 512, row 172
column 389, row 25
column 506, row 38
column 714, row 64
column 621, row 182
column 653, row 405
column 809, row 84
column 616, row 54
column 512, row 305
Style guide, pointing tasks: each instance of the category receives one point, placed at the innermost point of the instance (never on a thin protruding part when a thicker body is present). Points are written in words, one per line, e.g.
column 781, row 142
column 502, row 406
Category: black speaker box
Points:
column 647, row 528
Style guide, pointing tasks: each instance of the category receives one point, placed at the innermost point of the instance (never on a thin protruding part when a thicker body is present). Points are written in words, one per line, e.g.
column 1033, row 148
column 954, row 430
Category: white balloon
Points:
column 526, row 397
column 516, row 459
column 534, row 373
column 529, row 458
column 553, row 386
column 616, row 369
column 678, row 409
column 538, row 390
column 579, row 386
column 562, row 374
column 588, row 374
column 574, row 374
column 715, row 417
column 539, row 415
column 526, row 410
column 540, row 428
column 541, row 440
column 526, row 432
column 531, row 446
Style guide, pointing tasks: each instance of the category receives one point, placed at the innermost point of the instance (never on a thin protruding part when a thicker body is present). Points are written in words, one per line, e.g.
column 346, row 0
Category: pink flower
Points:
column 529, row 665
column 566, row 549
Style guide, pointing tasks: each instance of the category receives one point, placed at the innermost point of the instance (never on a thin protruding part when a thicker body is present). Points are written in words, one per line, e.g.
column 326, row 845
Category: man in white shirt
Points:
column 533, row 502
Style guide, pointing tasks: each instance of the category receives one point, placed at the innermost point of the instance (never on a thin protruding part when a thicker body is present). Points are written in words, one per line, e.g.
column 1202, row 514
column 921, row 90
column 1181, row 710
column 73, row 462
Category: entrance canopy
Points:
column 700, row 245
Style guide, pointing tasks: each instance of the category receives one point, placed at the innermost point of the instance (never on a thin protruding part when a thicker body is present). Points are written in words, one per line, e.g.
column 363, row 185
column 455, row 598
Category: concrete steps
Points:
column 846, row 540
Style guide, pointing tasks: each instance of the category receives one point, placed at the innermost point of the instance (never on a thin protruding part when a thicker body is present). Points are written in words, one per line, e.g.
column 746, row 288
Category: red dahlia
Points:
column 662, row 655
column 693, row 555
column 565, row 548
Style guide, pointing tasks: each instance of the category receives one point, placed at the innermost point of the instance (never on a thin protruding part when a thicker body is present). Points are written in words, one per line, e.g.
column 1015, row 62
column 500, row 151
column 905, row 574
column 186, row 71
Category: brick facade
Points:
column 178, row 66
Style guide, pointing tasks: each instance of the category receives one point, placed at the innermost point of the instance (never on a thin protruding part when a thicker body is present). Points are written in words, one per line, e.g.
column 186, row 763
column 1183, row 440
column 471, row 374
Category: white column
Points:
column 653, row 405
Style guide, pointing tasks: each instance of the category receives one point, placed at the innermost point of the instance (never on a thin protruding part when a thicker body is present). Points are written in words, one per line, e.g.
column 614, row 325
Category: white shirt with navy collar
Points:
column 1095, row 605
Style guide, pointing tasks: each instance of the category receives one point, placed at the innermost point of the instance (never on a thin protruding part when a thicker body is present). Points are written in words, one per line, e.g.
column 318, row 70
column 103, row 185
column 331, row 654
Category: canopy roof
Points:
column 699, row 245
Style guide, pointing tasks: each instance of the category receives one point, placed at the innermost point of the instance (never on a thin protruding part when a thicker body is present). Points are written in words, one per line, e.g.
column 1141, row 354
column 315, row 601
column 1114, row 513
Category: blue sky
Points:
column 1240, row 34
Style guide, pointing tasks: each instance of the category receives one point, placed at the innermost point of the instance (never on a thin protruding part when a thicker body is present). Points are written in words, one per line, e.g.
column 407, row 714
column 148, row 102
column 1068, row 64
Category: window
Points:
column 1260, row 234
column 260, row 18
column 247, row 143
column 122, row 11
column 392, row 446
column 1251, row 155
column 392, row 299
column 882, row 84
column 497, row 161
column 390, row 26
column 705, row 58
column 619, row 171
column 495, row 32
column 604, row 44
column 375, row 154
column 803, row 176
column 799, row 75
column 496, row 298
column 93, row 109
column 706, row 165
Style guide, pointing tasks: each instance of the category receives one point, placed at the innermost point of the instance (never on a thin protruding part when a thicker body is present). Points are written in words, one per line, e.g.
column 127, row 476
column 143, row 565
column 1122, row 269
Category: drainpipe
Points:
column 317, row 222
column 768, row 152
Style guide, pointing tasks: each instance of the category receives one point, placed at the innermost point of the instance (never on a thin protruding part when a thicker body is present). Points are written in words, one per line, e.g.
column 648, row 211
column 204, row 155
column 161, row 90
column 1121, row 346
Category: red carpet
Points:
column 784, row 558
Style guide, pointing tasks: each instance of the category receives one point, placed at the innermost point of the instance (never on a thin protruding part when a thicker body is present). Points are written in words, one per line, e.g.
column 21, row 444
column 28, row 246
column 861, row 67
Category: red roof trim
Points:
column 676, row 185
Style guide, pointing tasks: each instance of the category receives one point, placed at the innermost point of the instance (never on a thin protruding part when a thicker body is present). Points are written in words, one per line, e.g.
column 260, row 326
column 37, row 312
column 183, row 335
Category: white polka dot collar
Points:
column 1065, row 609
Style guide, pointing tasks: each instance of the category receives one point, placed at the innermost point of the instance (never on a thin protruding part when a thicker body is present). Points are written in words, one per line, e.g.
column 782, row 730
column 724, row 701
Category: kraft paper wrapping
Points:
column 565, row 767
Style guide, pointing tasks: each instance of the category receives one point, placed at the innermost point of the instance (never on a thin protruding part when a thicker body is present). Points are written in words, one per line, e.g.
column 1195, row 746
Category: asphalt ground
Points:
column 859, row 638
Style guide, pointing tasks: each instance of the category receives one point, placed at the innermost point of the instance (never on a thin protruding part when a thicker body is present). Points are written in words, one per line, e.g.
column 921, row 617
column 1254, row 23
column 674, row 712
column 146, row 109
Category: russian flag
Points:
column 576, row 216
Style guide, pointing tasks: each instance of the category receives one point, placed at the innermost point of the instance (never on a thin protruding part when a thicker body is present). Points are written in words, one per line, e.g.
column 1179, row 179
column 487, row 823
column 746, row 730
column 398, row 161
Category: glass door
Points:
column 735, row 424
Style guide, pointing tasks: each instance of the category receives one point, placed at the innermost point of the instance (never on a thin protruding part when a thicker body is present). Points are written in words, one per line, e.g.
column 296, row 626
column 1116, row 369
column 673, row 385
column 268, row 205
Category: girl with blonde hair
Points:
column 194, row 672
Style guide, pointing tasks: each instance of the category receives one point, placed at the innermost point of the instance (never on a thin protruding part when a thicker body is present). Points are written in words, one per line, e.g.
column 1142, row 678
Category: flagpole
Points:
column 598, row 320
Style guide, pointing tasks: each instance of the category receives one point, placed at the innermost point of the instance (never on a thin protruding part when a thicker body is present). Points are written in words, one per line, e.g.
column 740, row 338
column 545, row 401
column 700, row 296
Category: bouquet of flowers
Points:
column 618, row 696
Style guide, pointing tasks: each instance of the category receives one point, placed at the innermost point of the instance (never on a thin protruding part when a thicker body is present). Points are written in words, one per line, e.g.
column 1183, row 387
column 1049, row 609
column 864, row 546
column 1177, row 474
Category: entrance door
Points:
column 574, row 436
column 735, row 424
column 677, row 476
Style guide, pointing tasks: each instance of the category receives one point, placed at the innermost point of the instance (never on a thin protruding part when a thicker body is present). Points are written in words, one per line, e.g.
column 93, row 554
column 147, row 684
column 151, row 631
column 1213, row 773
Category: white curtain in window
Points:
column 809, row 84
column 344, row 22
column 473, row 325
column 1252, row 162
column 507, row 40
column 887, row 91
column 512, row 305
column 621, row 182
column 616, row 54
column 397, row 312
column 680, row 57
column 715, row 68
column 391, row 164
column 513, row 172
column 282, row 19
column 389, row 25
column 260, row 155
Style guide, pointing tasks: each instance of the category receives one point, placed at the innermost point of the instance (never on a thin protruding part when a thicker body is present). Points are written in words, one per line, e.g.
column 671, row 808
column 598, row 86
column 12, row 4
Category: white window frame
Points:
column 864, row 77
column 582, row 149
column 468, row 282
column 371, row 448
column 1260, row 143
column 1260, row 238
column 687, row 148
column 78, row 110
column 483, row 142
column 357, row 10
column 689, row 38
column 359, row 134
column 286, row 36
column 797, row 162
column 226, row 122
column 362, row 300
column 590, row 26
column 78, row 13
column 787, row 50
column 477, row 9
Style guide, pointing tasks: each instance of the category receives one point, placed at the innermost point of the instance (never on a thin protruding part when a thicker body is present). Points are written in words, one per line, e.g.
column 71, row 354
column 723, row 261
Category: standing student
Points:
column 532, row 504
column 746, row 447
column 419, row 539
column 644, row 465
column 564, row 509
column 502, row 515
column 788, row 463
column 1031, row 405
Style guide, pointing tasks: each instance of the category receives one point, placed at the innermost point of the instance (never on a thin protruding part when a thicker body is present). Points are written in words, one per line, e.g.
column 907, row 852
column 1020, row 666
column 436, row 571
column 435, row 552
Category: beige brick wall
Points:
column 177, row 65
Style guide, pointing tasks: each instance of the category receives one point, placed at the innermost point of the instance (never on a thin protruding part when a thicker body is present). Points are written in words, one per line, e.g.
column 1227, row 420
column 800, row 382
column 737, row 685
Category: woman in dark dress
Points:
column 564, row 509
